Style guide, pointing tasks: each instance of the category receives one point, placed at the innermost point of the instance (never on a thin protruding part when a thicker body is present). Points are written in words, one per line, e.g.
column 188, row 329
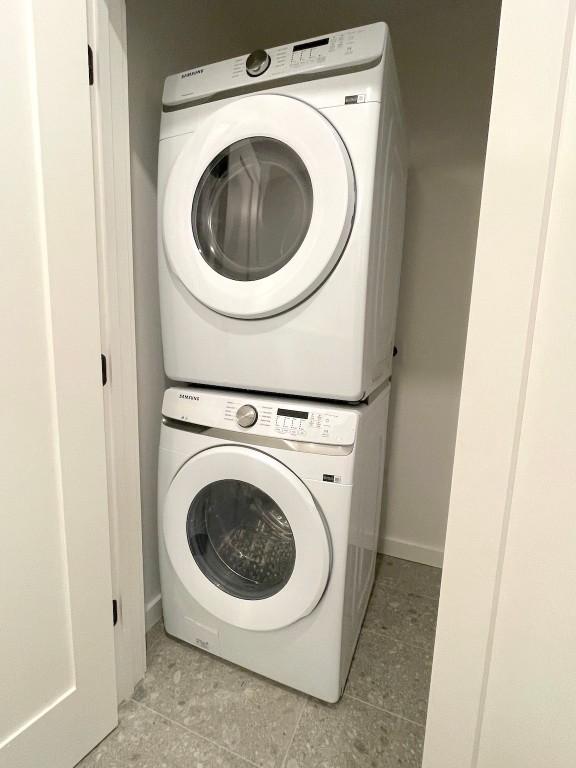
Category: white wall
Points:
column 445, row 53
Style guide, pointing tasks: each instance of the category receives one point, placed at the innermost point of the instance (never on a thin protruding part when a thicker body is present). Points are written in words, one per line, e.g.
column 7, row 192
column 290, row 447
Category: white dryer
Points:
column 281, row 190
column 268, row 523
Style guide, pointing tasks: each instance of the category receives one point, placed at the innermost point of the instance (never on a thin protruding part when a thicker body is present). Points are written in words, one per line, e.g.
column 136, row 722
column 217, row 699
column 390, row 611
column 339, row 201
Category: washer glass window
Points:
column 252, row 208
column 241, row 539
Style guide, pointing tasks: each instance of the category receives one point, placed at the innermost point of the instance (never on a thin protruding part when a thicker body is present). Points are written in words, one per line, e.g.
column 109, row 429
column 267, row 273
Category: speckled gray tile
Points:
column 403, row 616
column 144, row 739
column 225, row 703
column 154, row 634
column 352, row 734
column 391, row 675
column 406, row 576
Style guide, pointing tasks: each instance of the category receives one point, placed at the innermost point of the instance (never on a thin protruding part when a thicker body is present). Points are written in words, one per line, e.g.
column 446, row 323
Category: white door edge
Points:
column 111, row 146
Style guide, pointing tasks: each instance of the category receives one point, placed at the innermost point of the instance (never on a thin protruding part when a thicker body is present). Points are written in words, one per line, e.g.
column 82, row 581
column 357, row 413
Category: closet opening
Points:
column 444, row 56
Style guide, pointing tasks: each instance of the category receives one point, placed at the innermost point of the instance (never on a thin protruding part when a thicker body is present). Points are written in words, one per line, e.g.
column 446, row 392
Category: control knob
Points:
column 246, row 416
column 257, row 63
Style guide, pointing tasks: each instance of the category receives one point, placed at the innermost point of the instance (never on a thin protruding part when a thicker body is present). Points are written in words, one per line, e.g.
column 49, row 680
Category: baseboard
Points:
column 408, row 550
column 153, row 611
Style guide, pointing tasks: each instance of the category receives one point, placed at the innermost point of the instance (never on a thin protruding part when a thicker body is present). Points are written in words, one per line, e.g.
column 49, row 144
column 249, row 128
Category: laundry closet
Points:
column 453, row 648
column 445, row 55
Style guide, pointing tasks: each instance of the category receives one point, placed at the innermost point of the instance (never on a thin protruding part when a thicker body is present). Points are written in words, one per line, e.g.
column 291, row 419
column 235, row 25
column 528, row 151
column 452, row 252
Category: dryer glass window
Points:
column 240, row 539
column 252, row 208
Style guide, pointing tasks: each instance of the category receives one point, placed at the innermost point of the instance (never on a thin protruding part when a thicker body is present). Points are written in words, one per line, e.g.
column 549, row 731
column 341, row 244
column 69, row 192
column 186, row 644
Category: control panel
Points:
column 306, row 421
column 361, row 46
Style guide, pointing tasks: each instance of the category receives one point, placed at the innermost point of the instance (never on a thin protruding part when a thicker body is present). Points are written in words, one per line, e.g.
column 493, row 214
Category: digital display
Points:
column 292, row 414
column 312, row 44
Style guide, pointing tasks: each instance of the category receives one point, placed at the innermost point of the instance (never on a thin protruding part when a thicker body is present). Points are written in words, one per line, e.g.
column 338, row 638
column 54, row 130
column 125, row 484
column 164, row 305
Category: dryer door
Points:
column 246, row 538
column 258, row 206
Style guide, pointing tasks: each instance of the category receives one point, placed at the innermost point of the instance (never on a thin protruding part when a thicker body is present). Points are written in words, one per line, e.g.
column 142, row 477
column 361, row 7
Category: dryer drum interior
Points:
column 252, row 208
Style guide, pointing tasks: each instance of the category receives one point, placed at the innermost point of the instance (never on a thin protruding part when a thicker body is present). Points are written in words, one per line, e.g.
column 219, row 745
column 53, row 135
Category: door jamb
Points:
column 527, row 111
column 111, row 151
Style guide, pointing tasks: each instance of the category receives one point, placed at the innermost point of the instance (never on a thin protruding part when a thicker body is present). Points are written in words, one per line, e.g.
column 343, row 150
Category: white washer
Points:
column 268, row 531
column 281, row 187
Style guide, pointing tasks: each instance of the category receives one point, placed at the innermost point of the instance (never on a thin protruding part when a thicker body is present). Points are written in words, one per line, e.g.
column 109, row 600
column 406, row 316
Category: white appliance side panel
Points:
column 323, row 334
column 367, row 495
column 387, row 231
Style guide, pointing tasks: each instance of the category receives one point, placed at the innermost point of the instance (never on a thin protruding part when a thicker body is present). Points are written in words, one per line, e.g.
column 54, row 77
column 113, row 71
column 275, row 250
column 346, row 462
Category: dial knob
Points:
column 257, row 63
column 246, row 416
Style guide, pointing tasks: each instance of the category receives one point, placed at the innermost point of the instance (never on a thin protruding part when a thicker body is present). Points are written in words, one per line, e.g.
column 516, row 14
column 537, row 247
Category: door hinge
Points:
column 114, row 612
column 90, row 66
column 104, row 363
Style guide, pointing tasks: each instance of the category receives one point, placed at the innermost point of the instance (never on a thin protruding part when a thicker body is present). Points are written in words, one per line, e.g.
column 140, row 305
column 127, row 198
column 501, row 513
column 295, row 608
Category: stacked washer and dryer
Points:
column 282, row 179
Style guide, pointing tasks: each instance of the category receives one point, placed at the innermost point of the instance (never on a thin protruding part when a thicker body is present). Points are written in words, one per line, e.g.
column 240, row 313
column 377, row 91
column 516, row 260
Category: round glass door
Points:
column 246, row 538
column 258, row 205
column 241, row 539
column 252, row 208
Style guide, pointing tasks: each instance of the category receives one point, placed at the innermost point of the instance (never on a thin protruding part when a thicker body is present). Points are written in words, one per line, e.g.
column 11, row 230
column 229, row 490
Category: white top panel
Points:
column 289, row 419
column 357, row 47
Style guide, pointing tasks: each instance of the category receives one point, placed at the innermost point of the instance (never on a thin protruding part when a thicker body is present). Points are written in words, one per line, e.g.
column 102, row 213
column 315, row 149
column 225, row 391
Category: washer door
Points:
column 258, row 206
column 246, row 538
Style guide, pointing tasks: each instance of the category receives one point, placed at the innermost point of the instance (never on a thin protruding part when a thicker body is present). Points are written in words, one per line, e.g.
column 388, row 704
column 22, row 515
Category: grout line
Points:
column 195, row 733
column 386, row 711
column 298, row 720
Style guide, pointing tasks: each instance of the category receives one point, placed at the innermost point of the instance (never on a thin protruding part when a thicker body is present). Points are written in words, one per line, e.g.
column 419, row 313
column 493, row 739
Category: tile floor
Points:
column 193, row 710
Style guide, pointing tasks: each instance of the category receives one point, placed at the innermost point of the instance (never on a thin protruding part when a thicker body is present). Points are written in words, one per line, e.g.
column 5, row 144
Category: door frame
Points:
column 111, row 157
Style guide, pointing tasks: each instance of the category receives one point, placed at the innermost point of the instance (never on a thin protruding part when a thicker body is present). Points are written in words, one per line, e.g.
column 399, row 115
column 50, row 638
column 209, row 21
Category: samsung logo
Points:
column 188, row 397
column 192, row 72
